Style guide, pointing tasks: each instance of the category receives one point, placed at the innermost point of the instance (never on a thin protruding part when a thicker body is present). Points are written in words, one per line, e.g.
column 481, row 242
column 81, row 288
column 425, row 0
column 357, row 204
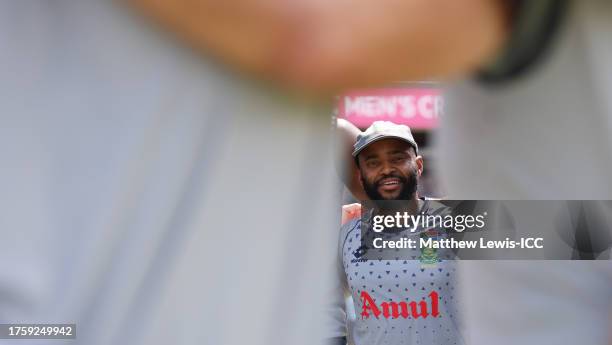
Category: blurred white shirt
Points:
column 149, row 196
column 546, row 135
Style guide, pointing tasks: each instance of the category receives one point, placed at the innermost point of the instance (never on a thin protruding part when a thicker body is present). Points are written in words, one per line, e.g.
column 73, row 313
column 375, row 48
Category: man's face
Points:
column 389, row 170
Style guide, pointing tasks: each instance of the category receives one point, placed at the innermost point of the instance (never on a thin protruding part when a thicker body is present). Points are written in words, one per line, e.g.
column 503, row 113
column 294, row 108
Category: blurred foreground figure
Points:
column 149, row 196
column 537, row 126
column 540, row 118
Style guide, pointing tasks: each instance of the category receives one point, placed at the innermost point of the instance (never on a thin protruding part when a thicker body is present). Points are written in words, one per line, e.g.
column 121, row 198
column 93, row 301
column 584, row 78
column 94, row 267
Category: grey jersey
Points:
column 136, row 181
column 397, row 280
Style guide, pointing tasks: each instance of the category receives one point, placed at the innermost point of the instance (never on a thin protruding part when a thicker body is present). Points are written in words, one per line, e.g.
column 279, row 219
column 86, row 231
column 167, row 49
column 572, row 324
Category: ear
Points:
column 419, row 163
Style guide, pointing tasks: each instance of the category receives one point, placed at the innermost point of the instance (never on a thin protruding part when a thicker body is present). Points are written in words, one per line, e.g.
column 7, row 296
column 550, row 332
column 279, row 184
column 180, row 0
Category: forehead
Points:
column 386, row 146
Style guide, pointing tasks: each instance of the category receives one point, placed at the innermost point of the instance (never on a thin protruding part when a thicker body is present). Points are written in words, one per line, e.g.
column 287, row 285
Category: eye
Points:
column 372, row 164
column 398, row 160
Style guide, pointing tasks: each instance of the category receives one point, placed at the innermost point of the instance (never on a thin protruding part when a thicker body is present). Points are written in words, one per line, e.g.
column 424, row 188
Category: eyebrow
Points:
column 390, row 153
column 395, row 152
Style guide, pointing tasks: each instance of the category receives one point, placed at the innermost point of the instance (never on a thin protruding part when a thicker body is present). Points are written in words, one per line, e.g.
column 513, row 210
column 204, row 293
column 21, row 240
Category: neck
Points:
column 391, row 207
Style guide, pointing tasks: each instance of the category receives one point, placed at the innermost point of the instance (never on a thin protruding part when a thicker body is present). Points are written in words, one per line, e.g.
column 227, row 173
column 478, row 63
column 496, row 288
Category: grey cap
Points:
column 379, row 130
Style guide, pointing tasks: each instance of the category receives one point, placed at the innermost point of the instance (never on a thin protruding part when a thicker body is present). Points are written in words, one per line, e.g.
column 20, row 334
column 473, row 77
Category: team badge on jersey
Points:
column 429, row 256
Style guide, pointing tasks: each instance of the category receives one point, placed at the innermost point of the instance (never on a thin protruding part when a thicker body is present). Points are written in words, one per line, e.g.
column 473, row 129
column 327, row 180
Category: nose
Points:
column 387, row 168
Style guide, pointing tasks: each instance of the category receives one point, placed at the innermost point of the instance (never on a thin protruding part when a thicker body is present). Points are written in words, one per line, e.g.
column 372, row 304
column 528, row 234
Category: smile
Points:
column 390, row 184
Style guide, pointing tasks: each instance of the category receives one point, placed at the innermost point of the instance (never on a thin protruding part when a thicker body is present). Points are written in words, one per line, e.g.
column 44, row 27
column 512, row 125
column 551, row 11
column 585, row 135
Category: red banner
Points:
column 419, row 108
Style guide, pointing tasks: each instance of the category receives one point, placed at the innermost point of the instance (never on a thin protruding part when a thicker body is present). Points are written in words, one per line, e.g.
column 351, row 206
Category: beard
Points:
column 408, row 191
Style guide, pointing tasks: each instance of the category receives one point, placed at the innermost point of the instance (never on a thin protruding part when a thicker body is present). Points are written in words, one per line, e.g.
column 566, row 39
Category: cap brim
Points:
column 381, row 137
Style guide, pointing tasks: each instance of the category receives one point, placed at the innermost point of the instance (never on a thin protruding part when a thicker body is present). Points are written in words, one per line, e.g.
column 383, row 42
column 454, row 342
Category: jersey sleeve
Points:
column 337, row 318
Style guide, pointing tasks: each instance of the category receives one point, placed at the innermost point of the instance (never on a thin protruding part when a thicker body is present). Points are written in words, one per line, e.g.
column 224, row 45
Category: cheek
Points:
column 369, row 177
column 409, row 169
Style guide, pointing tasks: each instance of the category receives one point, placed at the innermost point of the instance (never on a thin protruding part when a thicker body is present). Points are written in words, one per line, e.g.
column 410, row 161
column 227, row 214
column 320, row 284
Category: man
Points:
column 389, row 168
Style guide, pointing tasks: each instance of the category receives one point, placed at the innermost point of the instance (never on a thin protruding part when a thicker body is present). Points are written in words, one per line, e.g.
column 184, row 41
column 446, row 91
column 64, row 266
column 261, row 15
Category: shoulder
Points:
column 349, row 228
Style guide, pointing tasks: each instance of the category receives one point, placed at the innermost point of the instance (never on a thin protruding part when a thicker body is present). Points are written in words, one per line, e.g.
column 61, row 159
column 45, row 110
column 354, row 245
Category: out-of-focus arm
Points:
column 324, row 45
